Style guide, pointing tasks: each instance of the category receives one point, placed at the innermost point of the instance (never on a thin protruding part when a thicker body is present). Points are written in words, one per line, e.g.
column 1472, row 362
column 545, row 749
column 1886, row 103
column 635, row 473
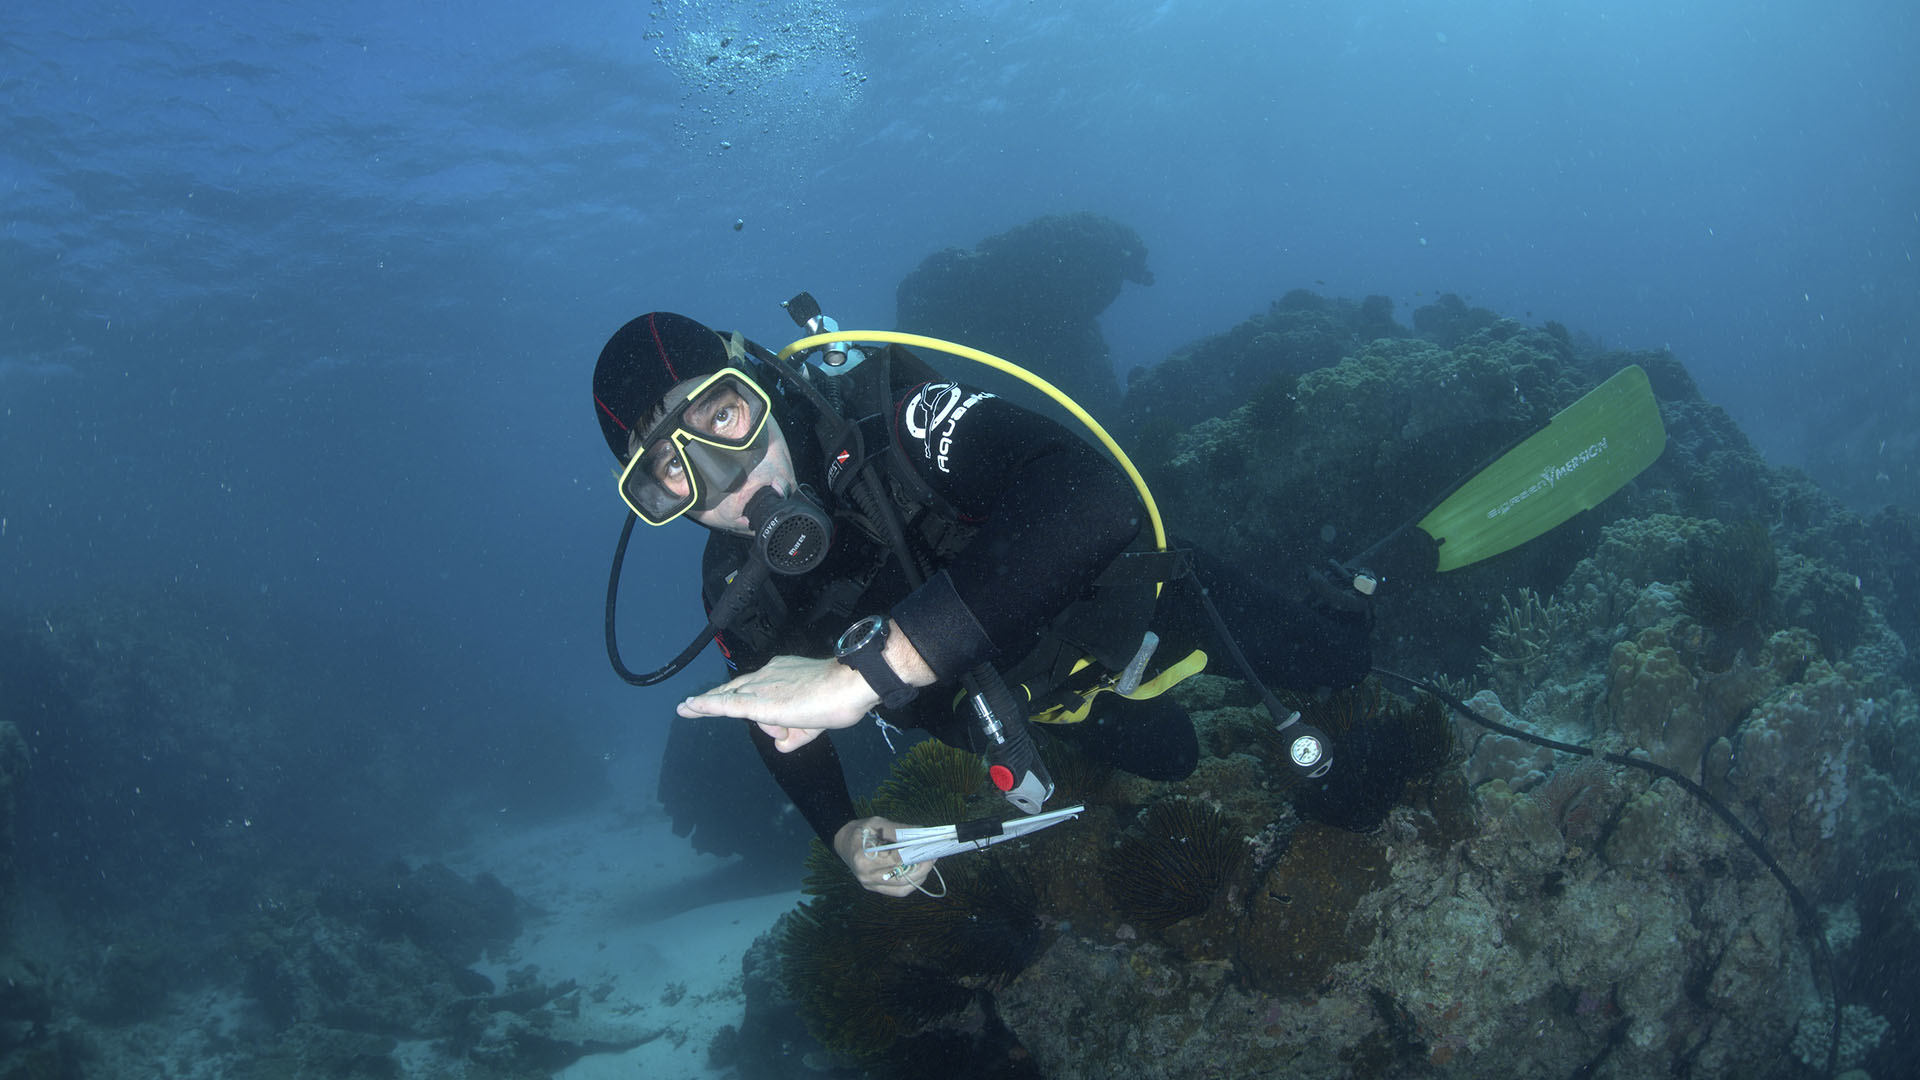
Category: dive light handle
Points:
column 1013, row 764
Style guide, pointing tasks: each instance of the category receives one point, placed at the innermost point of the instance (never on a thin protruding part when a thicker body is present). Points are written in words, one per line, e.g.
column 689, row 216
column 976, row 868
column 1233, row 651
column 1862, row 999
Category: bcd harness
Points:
column 1088, row 650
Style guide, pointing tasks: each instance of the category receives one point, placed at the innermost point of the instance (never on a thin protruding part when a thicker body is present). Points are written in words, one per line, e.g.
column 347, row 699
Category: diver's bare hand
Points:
column 792, row 698
column 879, row 873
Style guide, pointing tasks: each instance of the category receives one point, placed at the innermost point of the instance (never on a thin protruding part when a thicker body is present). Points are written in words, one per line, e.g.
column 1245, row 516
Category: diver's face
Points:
column 775, row 470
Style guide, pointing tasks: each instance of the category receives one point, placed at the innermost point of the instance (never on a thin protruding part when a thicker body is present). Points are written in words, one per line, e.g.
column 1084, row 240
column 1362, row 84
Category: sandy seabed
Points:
column 594, row 891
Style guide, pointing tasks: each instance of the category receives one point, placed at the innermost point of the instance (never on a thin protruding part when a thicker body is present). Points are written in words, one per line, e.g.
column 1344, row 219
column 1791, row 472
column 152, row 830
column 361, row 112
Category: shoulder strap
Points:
column 1132, row 567
column 901, row 371
column 936, row 519
column 863, row 431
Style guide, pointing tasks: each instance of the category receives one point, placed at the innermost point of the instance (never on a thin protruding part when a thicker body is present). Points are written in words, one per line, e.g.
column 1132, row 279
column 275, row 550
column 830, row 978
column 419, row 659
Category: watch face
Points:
column 859, row 635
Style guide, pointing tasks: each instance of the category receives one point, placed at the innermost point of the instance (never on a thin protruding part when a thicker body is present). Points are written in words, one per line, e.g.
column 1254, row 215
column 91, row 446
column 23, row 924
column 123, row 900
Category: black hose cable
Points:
column 1279, row 712
column 1362, row 560
column 613, row 602
column 1809, row 918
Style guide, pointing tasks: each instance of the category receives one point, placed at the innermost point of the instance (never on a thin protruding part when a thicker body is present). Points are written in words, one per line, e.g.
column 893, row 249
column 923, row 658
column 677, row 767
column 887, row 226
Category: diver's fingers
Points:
column 876, row 872
column 888, row 884
column 788, row 739
column 899, row 880
column 728, row 700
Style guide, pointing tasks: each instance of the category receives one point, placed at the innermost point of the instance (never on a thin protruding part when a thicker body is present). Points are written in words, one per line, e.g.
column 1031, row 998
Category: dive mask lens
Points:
column 700, row 451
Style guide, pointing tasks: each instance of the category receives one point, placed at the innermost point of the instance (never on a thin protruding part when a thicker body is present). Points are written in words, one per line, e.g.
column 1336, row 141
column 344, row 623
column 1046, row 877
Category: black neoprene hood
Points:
column 642, row 361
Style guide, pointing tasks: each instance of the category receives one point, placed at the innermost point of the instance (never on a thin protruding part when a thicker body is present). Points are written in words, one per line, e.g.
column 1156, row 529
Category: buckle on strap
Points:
column 1133, row 567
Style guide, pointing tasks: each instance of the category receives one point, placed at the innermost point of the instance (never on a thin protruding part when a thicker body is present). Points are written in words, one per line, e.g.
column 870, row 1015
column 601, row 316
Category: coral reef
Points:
column 1524, row 639
column 1825, row 601
column 1490, row 755
column 433, row 907
column 1654, row 702
column 1795, row 757
column 1298, row 333
column 1517, row 952
column 1448, row 321
column 1510, row 910
column 1354, row 446
column 1507, row 910
column 13, row 770
column 1893, row 536
column 206, row 804
column 866, row 972
column 1350, row 451
column 1300, row 918
column 344, row 970
column 1730, row 577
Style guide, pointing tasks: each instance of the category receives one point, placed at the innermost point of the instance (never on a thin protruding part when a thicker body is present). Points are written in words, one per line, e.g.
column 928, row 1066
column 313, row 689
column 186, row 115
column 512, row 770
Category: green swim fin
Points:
column 1584, row 454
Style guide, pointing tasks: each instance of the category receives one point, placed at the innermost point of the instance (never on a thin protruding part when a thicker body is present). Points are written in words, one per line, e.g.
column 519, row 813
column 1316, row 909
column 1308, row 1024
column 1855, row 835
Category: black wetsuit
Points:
column 1041, row 515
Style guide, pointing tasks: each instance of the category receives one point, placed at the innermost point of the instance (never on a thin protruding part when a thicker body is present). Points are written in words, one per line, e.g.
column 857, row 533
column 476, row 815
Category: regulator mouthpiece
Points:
column 790, row 532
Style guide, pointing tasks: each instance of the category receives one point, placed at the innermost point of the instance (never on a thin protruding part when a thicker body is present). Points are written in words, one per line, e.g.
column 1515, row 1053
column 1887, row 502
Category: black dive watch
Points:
column 862, row 647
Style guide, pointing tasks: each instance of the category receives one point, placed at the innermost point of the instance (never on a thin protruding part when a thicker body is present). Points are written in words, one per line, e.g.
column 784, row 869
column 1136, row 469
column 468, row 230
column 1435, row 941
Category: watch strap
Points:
column 870, row 661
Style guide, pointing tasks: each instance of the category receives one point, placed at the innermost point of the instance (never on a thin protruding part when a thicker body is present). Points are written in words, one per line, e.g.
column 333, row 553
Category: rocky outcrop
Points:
column 1032, row 295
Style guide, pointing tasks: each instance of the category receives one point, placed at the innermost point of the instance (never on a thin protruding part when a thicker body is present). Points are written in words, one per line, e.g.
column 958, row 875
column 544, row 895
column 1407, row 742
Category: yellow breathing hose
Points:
column 891, row 337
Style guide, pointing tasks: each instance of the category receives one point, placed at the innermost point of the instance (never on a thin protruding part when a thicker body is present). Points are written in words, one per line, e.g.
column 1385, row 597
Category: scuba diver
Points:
column 888, row 542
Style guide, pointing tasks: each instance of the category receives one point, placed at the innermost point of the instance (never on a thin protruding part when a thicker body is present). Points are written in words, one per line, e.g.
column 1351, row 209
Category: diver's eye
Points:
column 669, row 471
column 725, row 416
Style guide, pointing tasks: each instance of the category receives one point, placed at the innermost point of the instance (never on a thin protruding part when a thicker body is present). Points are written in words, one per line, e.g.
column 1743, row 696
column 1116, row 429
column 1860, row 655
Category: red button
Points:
column 1002, row 777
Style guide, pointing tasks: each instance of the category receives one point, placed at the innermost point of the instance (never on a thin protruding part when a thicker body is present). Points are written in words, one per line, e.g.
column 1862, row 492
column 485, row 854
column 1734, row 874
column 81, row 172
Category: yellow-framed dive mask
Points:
column 700, row 450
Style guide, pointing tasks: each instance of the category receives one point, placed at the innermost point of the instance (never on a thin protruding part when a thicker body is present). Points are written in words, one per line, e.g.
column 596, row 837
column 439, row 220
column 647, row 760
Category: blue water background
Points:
column 300, row 301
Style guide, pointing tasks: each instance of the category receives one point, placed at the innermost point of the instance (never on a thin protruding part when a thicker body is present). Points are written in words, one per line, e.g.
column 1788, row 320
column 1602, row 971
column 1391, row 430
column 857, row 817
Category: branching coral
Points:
column 1185, row 856
column 1459, row 687
column 1523, row 639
